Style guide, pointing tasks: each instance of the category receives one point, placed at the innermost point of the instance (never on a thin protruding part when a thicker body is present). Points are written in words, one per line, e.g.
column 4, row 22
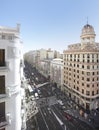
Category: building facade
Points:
column 11, row 69
column 81, row 70
column 56, row 72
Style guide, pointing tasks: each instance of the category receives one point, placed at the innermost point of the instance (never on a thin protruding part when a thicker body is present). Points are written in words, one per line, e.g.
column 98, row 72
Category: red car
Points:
column 68, row 117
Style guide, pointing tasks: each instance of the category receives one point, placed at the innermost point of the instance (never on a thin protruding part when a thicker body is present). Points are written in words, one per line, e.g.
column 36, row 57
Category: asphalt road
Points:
column 51, row 117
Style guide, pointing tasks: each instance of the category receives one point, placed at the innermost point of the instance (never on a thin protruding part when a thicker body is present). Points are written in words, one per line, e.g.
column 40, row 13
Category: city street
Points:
column 54, row 107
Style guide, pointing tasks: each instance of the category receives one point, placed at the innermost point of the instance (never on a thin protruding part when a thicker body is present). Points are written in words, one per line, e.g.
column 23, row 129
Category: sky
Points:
column 51, row 24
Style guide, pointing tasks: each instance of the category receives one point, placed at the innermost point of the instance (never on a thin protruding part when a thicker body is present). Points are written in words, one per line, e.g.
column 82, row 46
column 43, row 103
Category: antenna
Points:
column 87, row 19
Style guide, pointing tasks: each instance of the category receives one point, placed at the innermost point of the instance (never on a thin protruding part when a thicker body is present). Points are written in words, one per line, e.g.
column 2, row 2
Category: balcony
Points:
column 3, row 96
column 4, row 67
column 3, row 122
column 4, row 119
column 13, row 89
column 2, row 87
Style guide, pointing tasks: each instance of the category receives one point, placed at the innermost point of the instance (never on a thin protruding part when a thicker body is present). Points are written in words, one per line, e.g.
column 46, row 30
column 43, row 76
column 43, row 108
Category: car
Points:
column 68, row 117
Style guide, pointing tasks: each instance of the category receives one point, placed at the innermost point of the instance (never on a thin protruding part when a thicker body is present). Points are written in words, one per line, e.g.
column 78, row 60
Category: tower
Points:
column 87, row 36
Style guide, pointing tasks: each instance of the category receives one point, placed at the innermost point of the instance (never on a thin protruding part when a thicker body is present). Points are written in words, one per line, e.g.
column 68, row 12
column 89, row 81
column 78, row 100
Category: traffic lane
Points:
column 70, row 121
column 67, row 122
column 48, row 116
column 77, row 122
column 40, row 121
column 51, row 119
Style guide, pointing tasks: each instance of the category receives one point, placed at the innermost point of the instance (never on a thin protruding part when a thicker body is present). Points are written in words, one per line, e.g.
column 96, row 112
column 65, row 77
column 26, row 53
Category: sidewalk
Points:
column 76, row 114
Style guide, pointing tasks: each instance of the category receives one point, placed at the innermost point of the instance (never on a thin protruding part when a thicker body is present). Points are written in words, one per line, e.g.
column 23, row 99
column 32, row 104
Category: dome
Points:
column 88, row 30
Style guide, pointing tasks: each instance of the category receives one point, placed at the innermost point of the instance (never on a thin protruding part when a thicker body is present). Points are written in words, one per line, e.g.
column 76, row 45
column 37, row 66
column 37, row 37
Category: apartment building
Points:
column 81, row 70
column 56, row 72
column 11, row 69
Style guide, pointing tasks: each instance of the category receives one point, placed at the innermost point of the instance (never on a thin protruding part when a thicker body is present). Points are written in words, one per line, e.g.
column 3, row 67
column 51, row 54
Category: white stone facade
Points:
column 11, row 71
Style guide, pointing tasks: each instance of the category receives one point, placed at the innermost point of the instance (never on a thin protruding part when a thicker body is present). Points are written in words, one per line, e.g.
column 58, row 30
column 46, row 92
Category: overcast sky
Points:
column 50, row 23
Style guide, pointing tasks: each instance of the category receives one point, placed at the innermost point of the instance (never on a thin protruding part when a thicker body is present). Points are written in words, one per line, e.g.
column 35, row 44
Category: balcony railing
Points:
column 3, row 121
column 4, row 67
column 13, row 89
column 2, row 96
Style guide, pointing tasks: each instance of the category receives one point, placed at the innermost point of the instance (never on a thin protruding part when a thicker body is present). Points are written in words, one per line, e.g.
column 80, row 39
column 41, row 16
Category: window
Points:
column 88, row 56
column 70, row 64
column 92, row 55
column 88, row 85
column 92, row 93
column 88, row 67
column 82, row 90
column 77, row 65
column 93, row 85
column 78, row 88
column 75, row 55
column 88, row 73
column 77, row 82
column 87, row 93
column 82, row 66
column 2, row 84
column 82, row 84
column 82, row 78
column 77, row 71
column 71, row 55
column 3, row 36
column 82, row 72
column 2, row 57
column 88, row 79
column 78, row 76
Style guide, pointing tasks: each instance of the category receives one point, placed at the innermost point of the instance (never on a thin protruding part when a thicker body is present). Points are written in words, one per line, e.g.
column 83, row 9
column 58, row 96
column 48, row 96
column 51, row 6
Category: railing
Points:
column 13, row 89
column 2, row 96
column 3, row 121
column 4, row 66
